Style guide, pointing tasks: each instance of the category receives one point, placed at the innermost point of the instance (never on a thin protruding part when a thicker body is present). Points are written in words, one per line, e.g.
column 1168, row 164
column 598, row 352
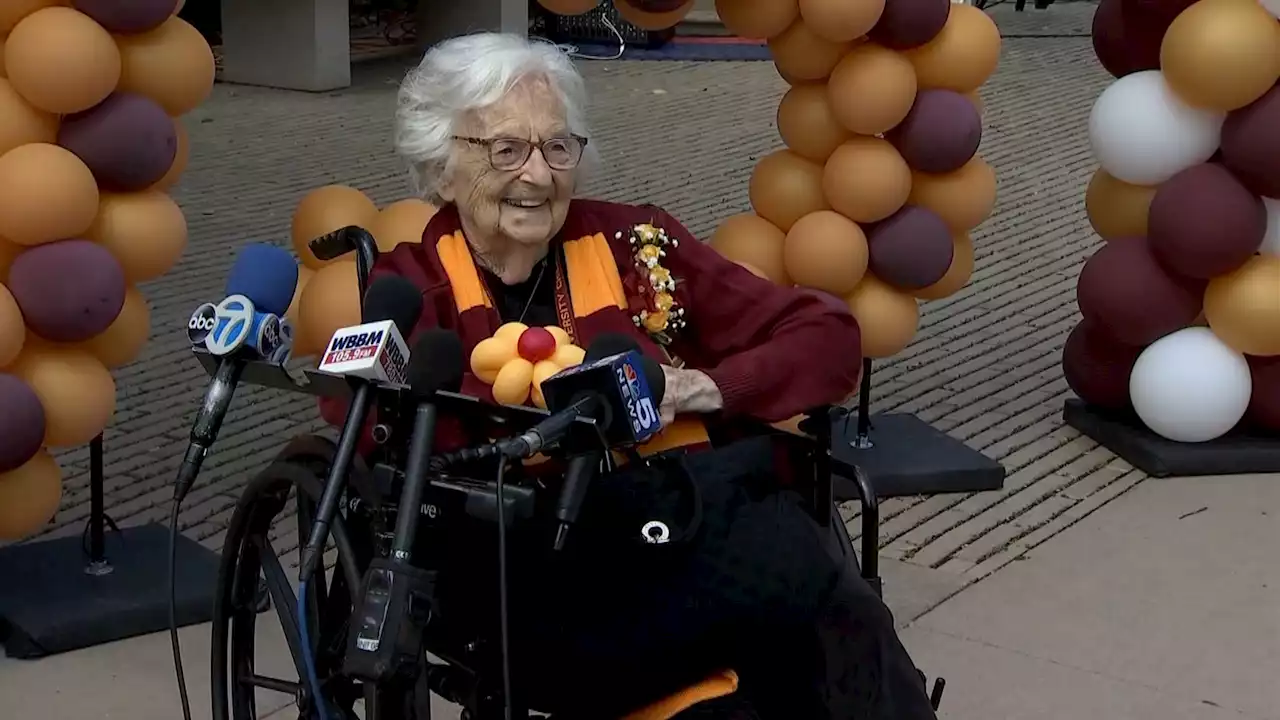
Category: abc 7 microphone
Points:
column 235, row 325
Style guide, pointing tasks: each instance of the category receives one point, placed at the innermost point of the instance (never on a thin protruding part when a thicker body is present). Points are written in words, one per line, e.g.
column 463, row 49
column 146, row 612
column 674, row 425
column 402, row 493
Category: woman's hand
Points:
column 688, row 391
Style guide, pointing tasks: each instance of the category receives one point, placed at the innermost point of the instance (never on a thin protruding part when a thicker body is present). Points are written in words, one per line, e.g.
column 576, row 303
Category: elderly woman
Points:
column 494, row 129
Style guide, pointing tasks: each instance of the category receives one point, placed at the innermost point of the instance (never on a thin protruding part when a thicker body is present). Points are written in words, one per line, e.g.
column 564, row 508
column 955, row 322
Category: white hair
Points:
column 466, row 74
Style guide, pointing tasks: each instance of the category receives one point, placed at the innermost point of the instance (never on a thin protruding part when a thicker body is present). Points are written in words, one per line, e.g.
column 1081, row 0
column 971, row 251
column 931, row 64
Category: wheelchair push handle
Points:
column 334, row 245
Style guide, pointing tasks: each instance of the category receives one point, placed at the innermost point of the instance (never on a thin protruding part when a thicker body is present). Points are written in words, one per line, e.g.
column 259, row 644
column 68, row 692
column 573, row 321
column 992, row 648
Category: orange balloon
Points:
column 826, row 251
column 13, row 11
column 20, row 123
column 866, row 180
column 807, row 125
column 1243, row 307
column 800, row 53
column 146, row 231
column 979, row 104
column 324, row 210
column 29, row 497
column 172, row 64
column 569, row 7
column 962, row 56
column 76, row 390
column 841, row 20
column 180, row 159
column 1221, row 54
column 62, row 61
column 752, row 240
column 46, row 194
column 329, row 302
column 757, row 18
column 785, row 187
column 1117, row 209
column 958, row 274
column 652, row 20
column 8, row 251
column 13, row 330
column 872, row 89
column 401, row 222
column 122, row 342
column 963, row 199
column 302, row 344
column 887, row 318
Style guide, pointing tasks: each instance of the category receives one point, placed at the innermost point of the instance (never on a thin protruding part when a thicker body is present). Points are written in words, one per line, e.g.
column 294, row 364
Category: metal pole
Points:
column 863, row 440
column 98, row 563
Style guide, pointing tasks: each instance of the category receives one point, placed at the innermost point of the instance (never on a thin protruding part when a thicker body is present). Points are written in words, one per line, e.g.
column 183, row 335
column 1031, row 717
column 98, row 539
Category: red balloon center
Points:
column 536, row 344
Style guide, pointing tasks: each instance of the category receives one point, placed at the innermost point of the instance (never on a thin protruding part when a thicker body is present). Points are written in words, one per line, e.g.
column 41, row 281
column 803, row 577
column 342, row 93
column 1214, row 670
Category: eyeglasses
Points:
column 507, row 154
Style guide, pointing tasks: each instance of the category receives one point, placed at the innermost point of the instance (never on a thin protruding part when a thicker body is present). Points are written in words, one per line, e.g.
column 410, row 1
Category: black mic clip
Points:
column 396, row 604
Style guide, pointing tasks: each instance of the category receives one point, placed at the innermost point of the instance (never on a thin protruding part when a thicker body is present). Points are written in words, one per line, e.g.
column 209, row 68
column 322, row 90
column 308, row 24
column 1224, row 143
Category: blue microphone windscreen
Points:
column 265, row 274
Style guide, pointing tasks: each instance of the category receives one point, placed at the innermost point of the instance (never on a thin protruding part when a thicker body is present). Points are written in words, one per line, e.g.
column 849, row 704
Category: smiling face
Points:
column 525, row 205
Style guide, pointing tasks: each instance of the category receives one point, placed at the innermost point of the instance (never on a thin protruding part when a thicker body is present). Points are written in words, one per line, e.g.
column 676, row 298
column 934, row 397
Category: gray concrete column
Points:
column 293, row 44
column 442, row 19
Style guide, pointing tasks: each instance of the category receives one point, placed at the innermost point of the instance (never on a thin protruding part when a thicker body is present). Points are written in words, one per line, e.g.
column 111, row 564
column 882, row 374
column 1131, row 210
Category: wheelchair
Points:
column 468, row 672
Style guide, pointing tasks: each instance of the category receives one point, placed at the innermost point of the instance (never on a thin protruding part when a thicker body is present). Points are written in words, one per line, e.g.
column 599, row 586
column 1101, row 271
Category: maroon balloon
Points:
column 1122, row 50
column 1153, row 14
column 1264, row 405
column 1204, row 223
column 1251, row 144
column 21, row 423
column 911, row 249
column 940, row 134
column 1097, row 367
column 127, row 16
column 127, row 141
column 1125, row 292
column 68, row 291
column 906, row 24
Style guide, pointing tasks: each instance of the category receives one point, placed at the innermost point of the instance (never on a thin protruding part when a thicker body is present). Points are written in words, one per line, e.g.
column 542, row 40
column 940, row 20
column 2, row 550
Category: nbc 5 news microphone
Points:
column 245, row 326
column 371, row 354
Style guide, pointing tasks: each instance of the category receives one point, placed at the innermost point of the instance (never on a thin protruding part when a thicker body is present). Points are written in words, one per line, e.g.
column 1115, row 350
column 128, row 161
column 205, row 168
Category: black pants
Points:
column 758, row 587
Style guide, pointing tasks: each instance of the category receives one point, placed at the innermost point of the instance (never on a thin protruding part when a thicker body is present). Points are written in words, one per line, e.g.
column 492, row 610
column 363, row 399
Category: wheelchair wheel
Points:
column 250, row 559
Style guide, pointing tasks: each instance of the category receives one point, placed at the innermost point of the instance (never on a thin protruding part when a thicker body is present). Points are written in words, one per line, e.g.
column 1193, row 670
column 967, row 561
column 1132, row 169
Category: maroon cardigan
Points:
column 774, row 351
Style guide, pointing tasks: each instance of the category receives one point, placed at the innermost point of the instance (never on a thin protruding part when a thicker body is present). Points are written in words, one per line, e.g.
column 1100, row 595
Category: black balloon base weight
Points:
column 902, row 455
column 1124, row 434
column 55, row 600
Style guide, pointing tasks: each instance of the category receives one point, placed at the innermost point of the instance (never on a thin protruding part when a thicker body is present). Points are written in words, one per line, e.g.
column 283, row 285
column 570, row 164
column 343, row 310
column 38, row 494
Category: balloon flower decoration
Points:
column 644, row 14
column 90, row 93
column 328, row 293
column 1181, row 304
column 879, row 185
column 518, row 358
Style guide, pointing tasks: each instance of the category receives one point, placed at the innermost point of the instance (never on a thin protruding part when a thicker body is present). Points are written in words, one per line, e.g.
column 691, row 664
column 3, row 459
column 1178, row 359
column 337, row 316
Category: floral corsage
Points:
column 655, row 308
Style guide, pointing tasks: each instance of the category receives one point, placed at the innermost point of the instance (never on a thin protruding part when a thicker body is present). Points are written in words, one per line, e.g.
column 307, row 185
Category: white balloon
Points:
column 1190, row 387
column 1143, row 134
column 1272, row 6
column 1271, row 241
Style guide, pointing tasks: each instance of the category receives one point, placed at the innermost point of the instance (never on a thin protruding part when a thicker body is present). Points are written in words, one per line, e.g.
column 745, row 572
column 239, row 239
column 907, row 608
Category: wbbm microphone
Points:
column 261, row 283
column 368, row 354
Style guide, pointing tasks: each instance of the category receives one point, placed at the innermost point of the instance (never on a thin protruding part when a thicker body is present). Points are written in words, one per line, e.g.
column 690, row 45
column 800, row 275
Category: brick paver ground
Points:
column 684, row 135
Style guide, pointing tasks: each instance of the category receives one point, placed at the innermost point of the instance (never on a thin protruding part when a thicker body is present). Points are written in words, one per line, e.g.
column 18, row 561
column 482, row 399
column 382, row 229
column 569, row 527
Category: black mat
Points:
column 910, row 457
column 1126, row 436
column 49, row 604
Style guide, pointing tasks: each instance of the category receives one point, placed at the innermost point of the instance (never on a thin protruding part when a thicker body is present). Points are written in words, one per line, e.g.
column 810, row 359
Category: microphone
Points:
column 368, row 354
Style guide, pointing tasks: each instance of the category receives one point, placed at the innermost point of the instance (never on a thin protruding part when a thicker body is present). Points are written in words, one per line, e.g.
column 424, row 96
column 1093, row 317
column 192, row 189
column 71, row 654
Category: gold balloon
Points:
column 569, row 7
column 826, row 251
column 62, row 61
column 46, row 194
column 652, row 20
column 757, row 19
column 302, row 343
column 401, row 222
column 800, row 53
column 962, row 56
column 146, row 231
column 872, row 89
column 979, row 104
column 1243, row 307
column 866, row 180
column 29, row 497
column 958, row 274
column 1221, row 54
column 963, row 198
column 20, row 123
column 750, row 239
column 324, row 210
column 13, row 11
column 180, row 159
column 807, row 125
column 887, row 318
column 1117, row 209
column 841, row 20
column 172, row 64
column 122, row 342
column 785, row 187
column 76, row 390
column 13, row 331
column 330, row 302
